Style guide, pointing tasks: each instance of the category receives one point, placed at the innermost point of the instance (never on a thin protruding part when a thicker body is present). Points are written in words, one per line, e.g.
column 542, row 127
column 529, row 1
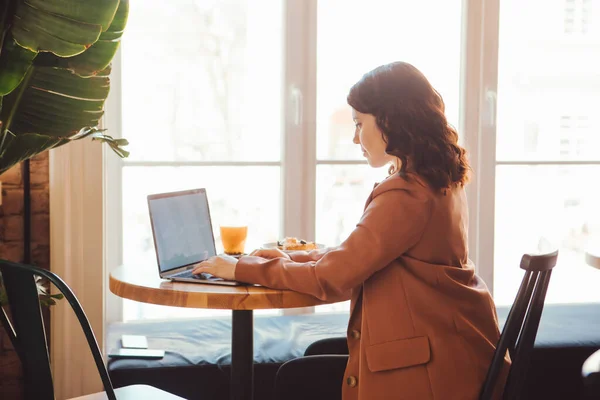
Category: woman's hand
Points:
column 219, row 266
column 270, row 253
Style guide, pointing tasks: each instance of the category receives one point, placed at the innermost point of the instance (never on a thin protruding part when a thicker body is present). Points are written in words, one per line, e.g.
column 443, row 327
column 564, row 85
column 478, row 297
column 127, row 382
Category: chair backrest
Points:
column 591, row 376
column 334, row 345
column 27, row 329
column 317, row 377
column 520, row 329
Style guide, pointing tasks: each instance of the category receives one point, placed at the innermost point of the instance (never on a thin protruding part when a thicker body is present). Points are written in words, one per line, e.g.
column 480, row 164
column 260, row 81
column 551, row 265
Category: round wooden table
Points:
column 129, row 283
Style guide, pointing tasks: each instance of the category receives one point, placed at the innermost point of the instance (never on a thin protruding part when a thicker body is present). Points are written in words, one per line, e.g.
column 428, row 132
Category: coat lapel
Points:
column 356, row 292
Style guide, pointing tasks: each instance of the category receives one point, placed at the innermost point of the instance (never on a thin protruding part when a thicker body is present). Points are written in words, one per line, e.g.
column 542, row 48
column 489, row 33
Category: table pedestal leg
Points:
column 242, row 355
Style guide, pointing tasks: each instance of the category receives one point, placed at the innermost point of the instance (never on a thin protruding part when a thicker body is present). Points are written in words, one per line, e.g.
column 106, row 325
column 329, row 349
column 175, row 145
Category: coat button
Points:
column 351, row 381
column 355, row 334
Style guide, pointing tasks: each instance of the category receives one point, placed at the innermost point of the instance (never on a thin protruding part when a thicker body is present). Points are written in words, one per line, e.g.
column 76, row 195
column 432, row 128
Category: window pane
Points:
column 234, row 198
column 548, row 81
column 342, row 191
column 355, row 36
column 202, row 80
column 547, row 205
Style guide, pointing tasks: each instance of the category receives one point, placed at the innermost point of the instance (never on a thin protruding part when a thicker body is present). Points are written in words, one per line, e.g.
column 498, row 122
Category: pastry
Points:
column 292, row 243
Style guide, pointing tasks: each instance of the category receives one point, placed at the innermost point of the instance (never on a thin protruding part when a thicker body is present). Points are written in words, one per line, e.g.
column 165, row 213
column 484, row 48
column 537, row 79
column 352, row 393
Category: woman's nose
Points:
column 355, row 139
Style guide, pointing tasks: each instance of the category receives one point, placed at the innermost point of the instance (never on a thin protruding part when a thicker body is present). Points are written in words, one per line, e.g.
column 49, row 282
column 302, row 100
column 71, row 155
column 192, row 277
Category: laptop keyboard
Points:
column 188, row 274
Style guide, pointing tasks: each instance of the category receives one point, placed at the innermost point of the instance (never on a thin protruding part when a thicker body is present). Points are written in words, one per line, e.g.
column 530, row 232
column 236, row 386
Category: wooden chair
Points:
column 520, row 329
column 29, row 338
column 518, row 337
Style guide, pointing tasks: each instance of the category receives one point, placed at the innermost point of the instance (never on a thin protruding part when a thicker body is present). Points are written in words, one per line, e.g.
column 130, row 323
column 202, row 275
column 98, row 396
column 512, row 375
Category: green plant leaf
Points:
column 14, row 63
column 43, row 102
column 115, row 144
column 45, row 298
column 98, row 12
column 64, row 82
column 47, row 301
column 63, row 27
column 38, row 30
column 98, row 57
column 24, row 146
column 83, row 98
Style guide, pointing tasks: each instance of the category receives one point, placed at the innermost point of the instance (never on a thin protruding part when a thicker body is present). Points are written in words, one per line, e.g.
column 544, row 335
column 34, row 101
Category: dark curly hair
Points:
column 410, row 113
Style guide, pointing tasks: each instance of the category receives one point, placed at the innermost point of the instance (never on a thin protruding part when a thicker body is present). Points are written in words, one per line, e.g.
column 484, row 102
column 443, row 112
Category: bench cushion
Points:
column 197, row 351
column 191, row 342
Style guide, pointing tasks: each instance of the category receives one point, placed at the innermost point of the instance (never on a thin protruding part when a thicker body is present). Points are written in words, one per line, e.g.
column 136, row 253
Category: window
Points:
column 201, row 107
column 545, row 196
column 366, row 36
column 248, row 99
column 220, row 118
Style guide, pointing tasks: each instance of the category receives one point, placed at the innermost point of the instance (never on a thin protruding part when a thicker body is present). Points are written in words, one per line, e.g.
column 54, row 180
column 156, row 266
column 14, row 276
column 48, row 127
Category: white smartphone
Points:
column 134, row 342
column 137, row 353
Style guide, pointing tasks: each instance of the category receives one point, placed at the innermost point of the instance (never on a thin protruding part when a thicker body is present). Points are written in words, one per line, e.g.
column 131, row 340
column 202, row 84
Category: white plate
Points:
column 273, row 245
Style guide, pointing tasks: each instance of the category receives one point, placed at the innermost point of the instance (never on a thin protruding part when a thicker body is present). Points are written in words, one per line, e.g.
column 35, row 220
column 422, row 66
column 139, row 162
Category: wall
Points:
column 11, row 248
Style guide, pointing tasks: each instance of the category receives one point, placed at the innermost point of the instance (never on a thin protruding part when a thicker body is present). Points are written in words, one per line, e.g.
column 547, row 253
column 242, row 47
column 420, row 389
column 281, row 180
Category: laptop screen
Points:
column 182, row 228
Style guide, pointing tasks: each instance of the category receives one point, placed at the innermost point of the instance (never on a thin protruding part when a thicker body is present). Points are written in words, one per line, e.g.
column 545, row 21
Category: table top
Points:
column 129, row 283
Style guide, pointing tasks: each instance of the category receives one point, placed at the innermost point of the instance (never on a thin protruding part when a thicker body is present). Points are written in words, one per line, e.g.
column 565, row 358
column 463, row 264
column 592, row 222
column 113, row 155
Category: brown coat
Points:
column 422, row 324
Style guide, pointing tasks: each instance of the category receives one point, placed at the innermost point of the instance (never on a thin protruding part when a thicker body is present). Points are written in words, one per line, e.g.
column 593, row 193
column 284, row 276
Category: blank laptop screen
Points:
column 182, row 229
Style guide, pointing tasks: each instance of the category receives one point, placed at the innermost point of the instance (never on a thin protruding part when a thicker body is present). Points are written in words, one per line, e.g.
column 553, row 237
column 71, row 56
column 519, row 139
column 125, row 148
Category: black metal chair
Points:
column 591, row 376
column 335, row 345
column 28, row 336
column 520, row 329
column 518, row 337
column 318, row 377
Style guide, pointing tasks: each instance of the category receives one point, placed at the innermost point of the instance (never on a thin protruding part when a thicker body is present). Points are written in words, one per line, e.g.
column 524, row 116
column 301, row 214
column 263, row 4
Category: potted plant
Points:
column 54, row 76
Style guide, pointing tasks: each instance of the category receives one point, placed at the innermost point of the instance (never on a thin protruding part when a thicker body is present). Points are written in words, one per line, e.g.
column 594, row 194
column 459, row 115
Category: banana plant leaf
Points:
column 14, row 63
column 63, row 27
column 98, row 57
column 49, row 100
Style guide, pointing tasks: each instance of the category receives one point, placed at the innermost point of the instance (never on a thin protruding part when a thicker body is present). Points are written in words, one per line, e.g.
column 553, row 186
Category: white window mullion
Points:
column 479, row 77
column 299, row 141
column 113, row 198
column 201, row 163
column 550, row 162
column 298, row 177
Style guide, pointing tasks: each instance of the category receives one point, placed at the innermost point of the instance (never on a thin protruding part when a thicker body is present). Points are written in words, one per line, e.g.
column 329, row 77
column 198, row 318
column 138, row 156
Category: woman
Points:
column 422, row 324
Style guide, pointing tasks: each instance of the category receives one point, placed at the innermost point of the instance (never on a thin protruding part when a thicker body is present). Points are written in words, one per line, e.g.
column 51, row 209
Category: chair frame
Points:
column 289, row 387
column 27, row 332
column 520, row 330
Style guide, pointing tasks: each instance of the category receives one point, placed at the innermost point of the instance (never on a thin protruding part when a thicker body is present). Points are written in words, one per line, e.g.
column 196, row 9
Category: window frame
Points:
column 477, row 129
column 477, row 126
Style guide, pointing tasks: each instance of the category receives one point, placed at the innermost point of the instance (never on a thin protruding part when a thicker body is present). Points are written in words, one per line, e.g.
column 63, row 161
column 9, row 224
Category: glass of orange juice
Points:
column 234, row 239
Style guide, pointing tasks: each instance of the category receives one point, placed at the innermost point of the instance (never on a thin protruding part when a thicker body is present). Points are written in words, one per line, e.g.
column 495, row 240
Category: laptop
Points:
column 183, row 235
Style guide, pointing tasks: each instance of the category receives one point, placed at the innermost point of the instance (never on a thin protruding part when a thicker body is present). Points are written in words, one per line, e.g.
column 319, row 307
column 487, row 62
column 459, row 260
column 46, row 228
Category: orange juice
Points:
column 234, row 239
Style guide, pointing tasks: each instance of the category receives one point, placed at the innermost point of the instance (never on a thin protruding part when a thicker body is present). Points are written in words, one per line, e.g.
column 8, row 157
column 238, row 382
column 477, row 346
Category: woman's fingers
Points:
column 203, row 266
column 200, row 270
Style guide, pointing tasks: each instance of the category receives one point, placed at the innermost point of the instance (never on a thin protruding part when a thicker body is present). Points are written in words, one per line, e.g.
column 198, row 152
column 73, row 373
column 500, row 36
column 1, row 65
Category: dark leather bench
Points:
column 196, row 364
column 198, row 351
